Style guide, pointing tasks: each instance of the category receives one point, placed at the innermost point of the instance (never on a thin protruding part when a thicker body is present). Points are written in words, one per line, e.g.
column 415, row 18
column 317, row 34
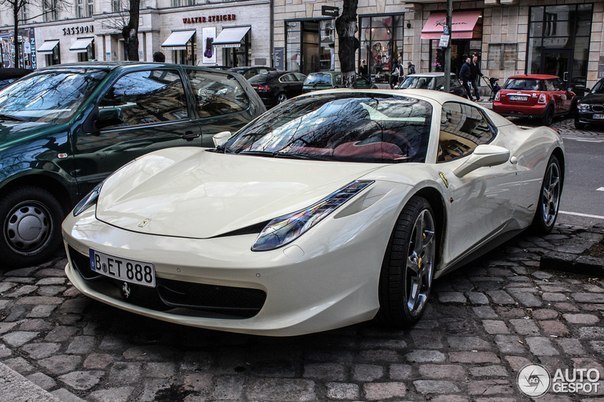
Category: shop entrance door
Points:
column 558, row 62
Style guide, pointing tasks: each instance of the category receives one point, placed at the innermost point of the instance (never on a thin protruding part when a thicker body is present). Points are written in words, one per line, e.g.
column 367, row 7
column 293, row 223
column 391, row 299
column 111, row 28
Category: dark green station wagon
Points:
column 63, row 129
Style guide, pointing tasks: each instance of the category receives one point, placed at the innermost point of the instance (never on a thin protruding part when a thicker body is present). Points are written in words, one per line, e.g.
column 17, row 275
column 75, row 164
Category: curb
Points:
column 16, row 388
column 582, row 263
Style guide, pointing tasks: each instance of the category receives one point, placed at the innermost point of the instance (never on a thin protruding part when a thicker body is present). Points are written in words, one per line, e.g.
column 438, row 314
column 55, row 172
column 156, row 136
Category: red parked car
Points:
column 535, row 95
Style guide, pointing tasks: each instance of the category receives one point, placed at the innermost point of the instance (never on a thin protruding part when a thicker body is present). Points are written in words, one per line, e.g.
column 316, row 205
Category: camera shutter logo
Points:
column 534, row 380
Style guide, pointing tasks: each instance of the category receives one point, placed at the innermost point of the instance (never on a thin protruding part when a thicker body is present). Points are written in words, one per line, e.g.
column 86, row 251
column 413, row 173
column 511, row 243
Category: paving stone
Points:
column 540, row 346
column 435, row 387
column 423, row 339
column 50, row 290
column 4, row 351
column 21, row 291
column 51, row 281
column 74, row 306
column 198, row 382
column 591, row 297
column 6, row 286
column 367, row 372
column 277, row 389
column 591, row 332
column 7, row 326
column 396, row 344
column 554, row 327
column 121, row 394
column 36, row 300
column 48, row 272
column 65, row 396
column 20, row 365
column 442, row 371
column 378, row 391
column 490, row 387
column 41, row 311
column 60, row 364
column 517, row 362
column 510, row 344
column 525, row 326
column 582, row 319
column 570, row 307
column 571, row 346
column 401, row 371
column 556, row 297
column 495, row 327
column 489, row 371
column 468, row 343
column 159, row 369
column 98, row 361
column 425, row 356
column 18, row 338
column 326, row 371
column 42, row 380
column 473, row 357
column 500, row 297
column 113, row 342
column 81, row 345
column 596, row 346
column 162, row 390
column 525, row 297
column 545, row 314
column 61, row 334
column 478, row 298
column 123, row 373
column 485, row 312
column 448, row 398
column 229, row 388
column 378, row 355
column 40, row 350
column 35, row 325
column 148, row 352
column 342, row 391
column 22, row 272
column 451, row 297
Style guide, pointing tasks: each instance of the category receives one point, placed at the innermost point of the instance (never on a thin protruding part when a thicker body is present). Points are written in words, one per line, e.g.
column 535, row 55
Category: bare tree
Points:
column 18, row 6
column 346, row 27
column 130, row 30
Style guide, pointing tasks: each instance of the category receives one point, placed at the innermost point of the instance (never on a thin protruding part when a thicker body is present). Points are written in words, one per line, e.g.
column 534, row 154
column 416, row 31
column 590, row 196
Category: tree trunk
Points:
column 130, row 31
column 346, row 27
column 16, row 33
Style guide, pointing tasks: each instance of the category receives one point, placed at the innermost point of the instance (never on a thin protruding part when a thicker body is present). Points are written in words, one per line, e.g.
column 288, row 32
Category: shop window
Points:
column 146, row 97
column 54, row 57
column 381, row 41
column 217, row 94
column 239, row 56
column 89, row 54
column 310, row 45
column 188, row 55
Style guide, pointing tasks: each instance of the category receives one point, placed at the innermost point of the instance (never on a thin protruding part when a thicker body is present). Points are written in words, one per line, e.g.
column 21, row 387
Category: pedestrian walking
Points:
column 395, row 74
column 364, row 69
column 410, row 68
column 465, row 75
column 475, row 75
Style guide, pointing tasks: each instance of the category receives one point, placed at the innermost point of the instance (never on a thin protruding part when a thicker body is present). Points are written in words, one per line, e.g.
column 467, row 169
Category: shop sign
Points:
column 82, row 29
column 330, row 11
column 209, row 18
column 444, row 41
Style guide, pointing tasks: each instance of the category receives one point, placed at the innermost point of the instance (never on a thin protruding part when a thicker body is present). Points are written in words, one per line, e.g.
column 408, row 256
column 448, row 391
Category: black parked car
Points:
column 63, row 129
column 249, row 72
column 9, row 75
column 590, row 109
column 278, row 86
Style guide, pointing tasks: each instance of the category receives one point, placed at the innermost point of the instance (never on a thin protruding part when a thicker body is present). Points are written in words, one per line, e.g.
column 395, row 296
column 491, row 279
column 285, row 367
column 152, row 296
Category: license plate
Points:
column 138, row 272
column 597, row 116
column 518, row 98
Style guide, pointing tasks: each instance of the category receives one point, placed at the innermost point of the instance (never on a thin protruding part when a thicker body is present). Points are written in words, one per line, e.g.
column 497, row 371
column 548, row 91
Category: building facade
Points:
column 562, row 37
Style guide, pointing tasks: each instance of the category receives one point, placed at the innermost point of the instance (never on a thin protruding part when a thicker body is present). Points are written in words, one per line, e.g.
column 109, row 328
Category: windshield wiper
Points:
column 258, row 153
column 10, row 117
column 302, row 156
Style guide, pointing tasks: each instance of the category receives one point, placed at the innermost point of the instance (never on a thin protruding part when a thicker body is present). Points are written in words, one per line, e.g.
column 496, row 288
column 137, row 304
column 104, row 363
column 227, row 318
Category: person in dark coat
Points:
column 410, row 68
column 159, row 57
column 475, row 75
column 465, row 74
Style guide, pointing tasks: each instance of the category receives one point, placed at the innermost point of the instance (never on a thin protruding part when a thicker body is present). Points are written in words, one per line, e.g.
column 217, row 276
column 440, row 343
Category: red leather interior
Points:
column 372, row 150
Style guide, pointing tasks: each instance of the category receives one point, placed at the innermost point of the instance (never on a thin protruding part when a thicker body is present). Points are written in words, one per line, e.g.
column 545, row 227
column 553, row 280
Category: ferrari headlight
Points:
column 86, row 202
column 287, row 228
column 583, row 107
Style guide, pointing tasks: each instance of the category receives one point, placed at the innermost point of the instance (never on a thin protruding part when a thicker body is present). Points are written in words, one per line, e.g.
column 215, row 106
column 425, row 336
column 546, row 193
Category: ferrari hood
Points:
column 190, row 192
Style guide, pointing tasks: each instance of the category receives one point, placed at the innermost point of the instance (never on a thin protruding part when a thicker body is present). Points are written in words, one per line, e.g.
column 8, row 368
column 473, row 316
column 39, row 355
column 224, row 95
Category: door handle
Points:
column 190, row 135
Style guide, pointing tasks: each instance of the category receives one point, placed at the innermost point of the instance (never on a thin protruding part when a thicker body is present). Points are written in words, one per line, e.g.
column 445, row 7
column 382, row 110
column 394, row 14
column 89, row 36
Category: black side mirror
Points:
column 108, row 116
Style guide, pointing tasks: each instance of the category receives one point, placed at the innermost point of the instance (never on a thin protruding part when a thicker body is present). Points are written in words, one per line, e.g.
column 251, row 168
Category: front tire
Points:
column 549, row 198
column 31, row 226
column 408, row 267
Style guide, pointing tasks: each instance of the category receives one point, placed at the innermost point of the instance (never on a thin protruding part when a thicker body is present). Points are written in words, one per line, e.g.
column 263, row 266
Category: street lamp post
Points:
column 448, row 31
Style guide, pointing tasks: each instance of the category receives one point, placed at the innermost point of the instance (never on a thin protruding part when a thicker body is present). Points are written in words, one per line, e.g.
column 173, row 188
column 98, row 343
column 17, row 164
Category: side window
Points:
column 300, row 77
column 551, row 85
column 286, row 78
column 144, row 97
column 217, row 94
column 462, row 129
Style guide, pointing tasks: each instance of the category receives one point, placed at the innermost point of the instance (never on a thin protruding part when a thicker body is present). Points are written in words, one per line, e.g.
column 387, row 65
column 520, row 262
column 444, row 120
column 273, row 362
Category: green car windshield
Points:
column 51, row 96
column 318, row 79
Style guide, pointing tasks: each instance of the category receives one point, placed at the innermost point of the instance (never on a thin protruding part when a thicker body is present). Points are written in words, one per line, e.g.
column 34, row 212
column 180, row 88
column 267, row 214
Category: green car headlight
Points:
column 287, row 228
column 86, row 202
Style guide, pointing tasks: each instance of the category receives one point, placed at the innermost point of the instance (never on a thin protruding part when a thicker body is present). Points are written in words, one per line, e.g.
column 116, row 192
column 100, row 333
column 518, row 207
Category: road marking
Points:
column 600, row 189
column 582, row 215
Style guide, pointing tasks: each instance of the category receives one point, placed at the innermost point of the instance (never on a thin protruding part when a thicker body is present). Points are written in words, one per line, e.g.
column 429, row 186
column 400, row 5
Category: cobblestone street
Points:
column 484, row 323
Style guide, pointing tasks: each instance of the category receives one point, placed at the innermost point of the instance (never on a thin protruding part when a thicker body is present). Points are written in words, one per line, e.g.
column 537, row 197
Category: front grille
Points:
column 178, row 297
column 597, row 108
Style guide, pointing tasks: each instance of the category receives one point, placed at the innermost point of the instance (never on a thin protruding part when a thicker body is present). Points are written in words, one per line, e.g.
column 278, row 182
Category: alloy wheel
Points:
column 420, row 262
column 550, row 197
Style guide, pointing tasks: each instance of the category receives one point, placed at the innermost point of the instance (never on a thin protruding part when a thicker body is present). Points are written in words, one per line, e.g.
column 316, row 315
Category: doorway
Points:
column 557, row 62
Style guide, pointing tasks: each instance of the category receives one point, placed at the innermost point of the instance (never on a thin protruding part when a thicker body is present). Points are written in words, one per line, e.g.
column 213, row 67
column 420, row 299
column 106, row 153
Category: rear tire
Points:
column 408, row 266
column 548, row 116
column 31, row 226
column 549, row 198
column 281, row 97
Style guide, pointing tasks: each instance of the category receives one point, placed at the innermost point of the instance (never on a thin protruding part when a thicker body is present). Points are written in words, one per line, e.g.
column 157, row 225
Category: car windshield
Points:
column 356, row 127
column 525, row 84
column 598, row 88
column 417, row 82
column 52, row 96
column 318, row 79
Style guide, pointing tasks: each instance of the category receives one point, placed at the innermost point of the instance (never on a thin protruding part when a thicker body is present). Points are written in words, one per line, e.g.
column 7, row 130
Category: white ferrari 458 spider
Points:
column 333, row 208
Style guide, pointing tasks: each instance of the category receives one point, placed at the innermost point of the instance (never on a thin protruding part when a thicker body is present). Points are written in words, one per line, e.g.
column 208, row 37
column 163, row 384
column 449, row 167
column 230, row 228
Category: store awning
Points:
column 48, row 46
column 178, row 40
column 81, row 45
column 463, row 24
column 231, row 37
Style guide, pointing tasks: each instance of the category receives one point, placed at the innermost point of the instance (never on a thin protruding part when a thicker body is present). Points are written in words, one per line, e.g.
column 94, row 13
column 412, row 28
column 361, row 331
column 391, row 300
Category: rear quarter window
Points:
column 217, row 94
